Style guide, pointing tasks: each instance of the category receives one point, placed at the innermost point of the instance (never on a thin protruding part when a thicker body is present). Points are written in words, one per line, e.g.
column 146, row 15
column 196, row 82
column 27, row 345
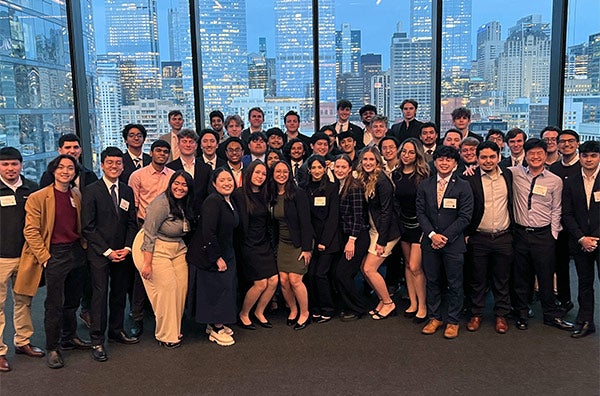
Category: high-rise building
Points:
column 420, row 19
column 294, row 49
column 594, row 62
column 261, row 70
column 224, row 52
column 347, row 50
column 410, row 73
column 133, row 35
column 180, row 49
column 172, row 82
column 152, row 114
column 380, row 92
column 456, row 37
column 489, row 47
column 577, row 61
column 350, row 87
column 111, row 99
column 370, row 65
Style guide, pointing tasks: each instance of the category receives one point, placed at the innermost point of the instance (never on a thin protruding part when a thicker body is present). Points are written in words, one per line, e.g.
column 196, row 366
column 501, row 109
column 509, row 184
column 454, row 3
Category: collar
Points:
column 153, row 170
column 594, row 175
column 206, row 160
column 13, row 187
column 572, row 162
column 447, row 179
column 134, row 157
column 109, row 184
column 482, row 172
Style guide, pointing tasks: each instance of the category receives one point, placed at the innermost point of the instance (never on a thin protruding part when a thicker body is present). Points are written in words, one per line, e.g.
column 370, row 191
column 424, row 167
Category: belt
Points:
column 493, row 235
column 533, row 229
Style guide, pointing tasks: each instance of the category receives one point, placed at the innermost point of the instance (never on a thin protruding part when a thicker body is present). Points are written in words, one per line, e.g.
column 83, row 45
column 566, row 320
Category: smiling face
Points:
column 281, row 174
column 567, row 144
column 444, row 166
column 320, row 147
column 316, row 171
column 10, row 170
column 468, row 154
column 160, row 155
column 234, row 152
column 176, row 122
column 71, row 148
column 369, row 162
column 536, row 157
column 179, row 188
column 234, row 128
column 275, row 141
column 348, row 145
column 516, row 145
column 135, row 139
column 551, row 138
column 208, row 144
column 378, row 129
column 292, row 124
column 297, row 151
column 259, row 175
column 488, row 159
column 408, row 154
column 112, row 167
column 389, row 151
column 187, row 146
column 65, row 172
column 428, row 136
column 256, row 120
column 272, row 158
column 224, row 184
column 344, row 114
column 341, row 169
column 216, row 123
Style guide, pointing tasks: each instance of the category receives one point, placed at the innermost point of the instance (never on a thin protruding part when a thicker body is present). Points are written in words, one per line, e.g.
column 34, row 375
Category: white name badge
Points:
column 540, row 190
column 449, row 203
column 8, row 200
column 320, row 201
column 73, row 202
column 596, row 196
column 124, row 205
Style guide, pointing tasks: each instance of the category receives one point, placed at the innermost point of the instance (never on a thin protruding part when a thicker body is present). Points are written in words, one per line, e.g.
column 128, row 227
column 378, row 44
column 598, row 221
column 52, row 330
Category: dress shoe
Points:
column 228, row 330
column 432, row 326
column 29, row 350
column 266, row 325
column 410, row 314
column 138, row 328
column 349, row 317
column 4, row 366
column 583, row 329
column 559, row 323
column 474, row 323
column 291, row 322
column 86, row 318
column 99, row 354
column 75, row 343
column 246, row 326
column 566, row 306
column 418, row 320
column 301, row 326
column 220, row 337
column 122, row 338
column 522, row 324
column 324, row 319
column 54, row 360
column 451, row 331
column 501, row 325
column 169, row 345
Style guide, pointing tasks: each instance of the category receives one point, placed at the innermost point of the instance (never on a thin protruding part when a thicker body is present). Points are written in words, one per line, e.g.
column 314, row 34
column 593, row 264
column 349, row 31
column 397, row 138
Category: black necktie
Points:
column 113, row 195
column 530, row 197
column 296, row 166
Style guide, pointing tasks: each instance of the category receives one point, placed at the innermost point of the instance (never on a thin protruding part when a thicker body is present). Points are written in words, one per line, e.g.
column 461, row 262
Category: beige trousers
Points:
column 21, row 309
column 167, row 288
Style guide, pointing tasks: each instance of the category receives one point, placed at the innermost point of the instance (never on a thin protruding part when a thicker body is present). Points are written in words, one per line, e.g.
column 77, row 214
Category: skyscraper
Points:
column 456, row 37
column 489, row 47
column 370, row 65
column 111, row 98
column 594, row 62
column 420, row 19
column 172, row 82
column 133, row 35
column 224, row 52
column 347, row 50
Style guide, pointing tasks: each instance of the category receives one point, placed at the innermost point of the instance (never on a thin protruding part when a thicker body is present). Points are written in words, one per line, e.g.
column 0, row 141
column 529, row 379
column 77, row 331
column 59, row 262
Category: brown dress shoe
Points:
column 451, row 331
column 432, row 326
column 501, row 325
column 29, row 350
column 4, row 366
column 474, row 323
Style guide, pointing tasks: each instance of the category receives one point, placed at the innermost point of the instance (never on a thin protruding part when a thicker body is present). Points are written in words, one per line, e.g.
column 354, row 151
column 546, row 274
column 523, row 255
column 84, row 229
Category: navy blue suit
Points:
column 450, row 220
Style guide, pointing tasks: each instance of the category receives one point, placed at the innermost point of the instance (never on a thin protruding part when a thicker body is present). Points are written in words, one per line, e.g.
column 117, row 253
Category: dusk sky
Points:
column 377, row 19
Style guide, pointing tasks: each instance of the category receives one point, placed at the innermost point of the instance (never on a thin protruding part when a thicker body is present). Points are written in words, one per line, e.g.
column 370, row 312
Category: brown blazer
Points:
column 39, row 225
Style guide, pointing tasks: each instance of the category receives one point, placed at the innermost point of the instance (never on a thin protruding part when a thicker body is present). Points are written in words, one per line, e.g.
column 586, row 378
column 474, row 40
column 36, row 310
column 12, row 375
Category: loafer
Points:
column 29, row 350
column 122, row 338
column 54, row 360
column 451, row 331
column 138, row 328
column 501, row 325
column 86, row 318
column 99, row 354
column 474, row 323
column 4, row 365
column 522, row 324
column 75, row 343
column 432, row 326
column 228, row 330
column 583, row 329
column 220, row 337
column 559, row 323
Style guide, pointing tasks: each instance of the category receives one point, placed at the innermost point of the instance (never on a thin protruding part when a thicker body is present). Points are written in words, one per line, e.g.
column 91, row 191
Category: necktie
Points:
column 440, row 191
column 530, row 197
column 210, row 163
column 429, row 152
column 137, row 163
column 296, row 169
column 113, row 195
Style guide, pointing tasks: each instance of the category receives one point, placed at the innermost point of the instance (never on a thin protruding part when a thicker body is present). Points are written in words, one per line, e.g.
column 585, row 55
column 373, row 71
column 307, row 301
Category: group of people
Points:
column 213, row 225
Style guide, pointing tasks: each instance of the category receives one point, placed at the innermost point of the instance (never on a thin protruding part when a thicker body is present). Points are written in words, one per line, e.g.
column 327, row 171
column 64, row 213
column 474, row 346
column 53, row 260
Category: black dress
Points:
column 259, row 258
column 405, row 203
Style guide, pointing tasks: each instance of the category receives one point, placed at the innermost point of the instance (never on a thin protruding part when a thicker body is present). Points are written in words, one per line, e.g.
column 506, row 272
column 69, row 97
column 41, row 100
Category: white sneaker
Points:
column 228, row 330
column 221, row 338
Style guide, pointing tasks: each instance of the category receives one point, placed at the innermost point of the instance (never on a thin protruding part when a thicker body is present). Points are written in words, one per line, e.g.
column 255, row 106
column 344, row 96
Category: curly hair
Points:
column 421, row 171
column 369, row 180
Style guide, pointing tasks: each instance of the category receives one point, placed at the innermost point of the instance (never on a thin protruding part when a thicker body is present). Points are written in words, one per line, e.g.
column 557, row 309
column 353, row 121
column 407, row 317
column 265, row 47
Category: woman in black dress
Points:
column 411, row 171
column 211, row 252
column 354, row 226
column 324, row 203
column 258, row 256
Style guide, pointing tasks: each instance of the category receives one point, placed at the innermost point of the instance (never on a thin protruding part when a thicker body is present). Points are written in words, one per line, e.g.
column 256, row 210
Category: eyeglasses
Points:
column 548, row 140
column 564, row 141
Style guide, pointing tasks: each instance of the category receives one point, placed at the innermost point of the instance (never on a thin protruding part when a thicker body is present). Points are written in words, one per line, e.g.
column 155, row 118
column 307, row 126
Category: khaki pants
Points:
column 22, row 306
column 167, row 288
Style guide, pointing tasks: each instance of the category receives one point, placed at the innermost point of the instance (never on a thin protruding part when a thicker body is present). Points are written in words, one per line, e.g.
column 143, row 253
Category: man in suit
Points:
column 175, row 118
column 489, row 234
column 581, row 217
column 343, row 124
column 256, row 117
column 234, row 149
column 429, row 137
column 367, row 112
column 291, row 119
column 69, row 144
column 515, row 138
column 134, row 136
column 217, row 123
column 14, row 192
column 209, row 142
column 257, row 145
column 444, row 209
column 109, row 226
column 461, row 118
column 409, row 126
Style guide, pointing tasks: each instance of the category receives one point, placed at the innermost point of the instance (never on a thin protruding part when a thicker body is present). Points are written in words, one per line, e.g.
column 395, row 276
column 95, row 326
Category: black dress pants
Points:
column 65, row 272
column 319, row 291
column 563, row 260
column 584, row 263
column 345, row 273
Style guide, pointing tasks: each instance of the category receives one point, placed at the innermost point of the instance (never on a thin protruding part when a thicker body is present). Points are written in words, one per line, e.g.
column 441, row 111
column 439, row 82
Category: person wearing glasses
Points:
column 134, row 136
column 234, row 151
column 550, row 135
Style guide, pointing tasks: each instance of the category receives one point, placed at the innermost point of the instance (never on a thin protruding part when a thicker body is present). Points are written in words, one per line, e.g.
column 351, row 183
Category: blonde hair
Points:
column 369, row 181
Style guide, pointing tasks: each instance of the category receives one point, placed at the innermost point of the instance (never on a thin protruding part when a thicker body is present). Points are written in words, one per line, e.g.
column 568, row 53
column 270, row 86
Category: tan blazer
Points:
column 39, row 225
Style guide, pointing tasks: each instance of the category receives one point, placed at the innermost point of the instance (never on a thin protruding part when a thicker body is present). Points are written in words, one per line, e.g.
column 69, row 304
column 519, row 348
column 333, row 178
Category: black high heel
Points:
column 379, row 316
column 291, row 322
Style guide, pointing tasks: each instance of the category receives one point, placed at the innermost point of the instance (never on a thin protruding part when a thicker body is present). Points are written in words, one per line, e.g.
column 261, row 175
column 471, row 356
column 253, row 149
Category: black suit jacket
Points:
column 129, row 166
column 103, row 225
column 325, row 218
column 401, row 132
column 296, row 213
column 381, row 208
column 479, row 199
column 220, row 161
column 202, row 174
column 450, row 222
column 86, row 177
column 356, row 131
column 579, row 220
column 507, row 162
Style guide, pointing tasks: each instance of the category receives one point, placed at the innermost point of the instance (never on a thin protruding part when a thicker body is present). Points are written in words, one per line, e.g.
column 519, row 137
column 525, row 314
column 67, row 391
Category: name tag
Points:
column 596, row 196
column 449, row 203
column 73, row 203
column 8, row 200
column 540, row 190
column 320, row 201
column 124, row 205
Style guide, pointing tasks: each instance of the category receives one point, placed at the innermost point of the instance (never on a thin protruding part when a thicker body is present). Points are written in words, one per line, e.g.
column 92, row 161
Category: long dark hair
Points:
column 307, row 181
column 252, row 199
column 184, row 206
column 53, row 166
column 290, row 186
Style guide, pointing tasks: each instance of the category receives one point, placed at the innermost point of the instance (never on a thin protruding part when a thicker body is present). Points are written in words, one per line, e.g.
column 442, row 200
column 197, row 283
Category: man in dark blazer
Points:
column 134, row 136
column 409, row 126
column 344, row 110
column 209, row 142
column 444, row 210
column 109, row 226
column 489, row 235
column 581, row 217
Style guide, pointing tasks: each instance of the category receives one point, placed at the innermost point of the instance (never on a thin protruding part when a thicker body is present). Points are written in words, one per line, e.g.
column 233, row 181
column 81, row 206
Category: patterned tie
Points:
column 113, row 195
column 440, row 191
column 137, row 163
column 429, row 152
